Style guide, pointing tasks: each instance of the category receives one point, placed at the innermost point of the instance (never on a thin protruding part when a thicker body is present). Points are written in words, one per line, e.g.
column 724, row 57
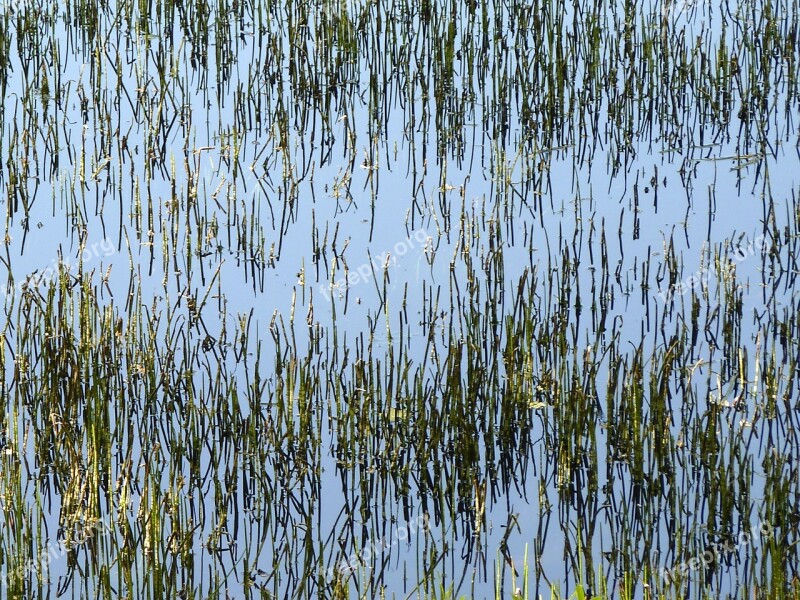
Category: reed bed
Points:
column 399, row 299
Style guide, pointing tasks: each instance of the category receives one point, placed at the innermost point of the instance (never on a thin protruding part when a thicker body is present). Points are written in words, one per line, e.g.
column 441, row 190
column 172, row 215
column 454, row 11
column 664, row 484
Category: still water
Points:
column 398, row 299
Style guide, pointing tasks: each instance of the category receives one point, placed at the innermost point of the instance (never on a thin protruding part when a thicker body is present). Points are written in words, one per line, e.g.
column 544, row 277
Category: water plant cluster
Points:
column 402, row 299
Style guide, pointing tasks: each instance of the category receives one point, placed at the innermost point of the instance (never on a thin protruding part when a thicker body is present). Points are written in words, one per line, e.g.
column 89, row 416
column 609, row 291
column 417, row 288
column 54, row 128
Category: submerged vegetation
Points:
column 403, row 299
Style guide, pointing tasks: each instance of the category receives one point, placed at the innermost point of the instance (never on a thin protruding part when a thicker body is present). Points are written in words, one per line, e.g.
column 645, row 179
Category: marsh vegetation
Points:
column 402, row 299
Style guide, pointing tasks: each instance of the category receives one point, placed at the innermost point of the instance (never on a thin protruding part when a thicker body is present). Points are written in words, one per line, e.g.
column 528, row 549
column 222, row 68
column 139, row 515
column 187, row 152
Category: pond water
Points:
column 399, row 299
